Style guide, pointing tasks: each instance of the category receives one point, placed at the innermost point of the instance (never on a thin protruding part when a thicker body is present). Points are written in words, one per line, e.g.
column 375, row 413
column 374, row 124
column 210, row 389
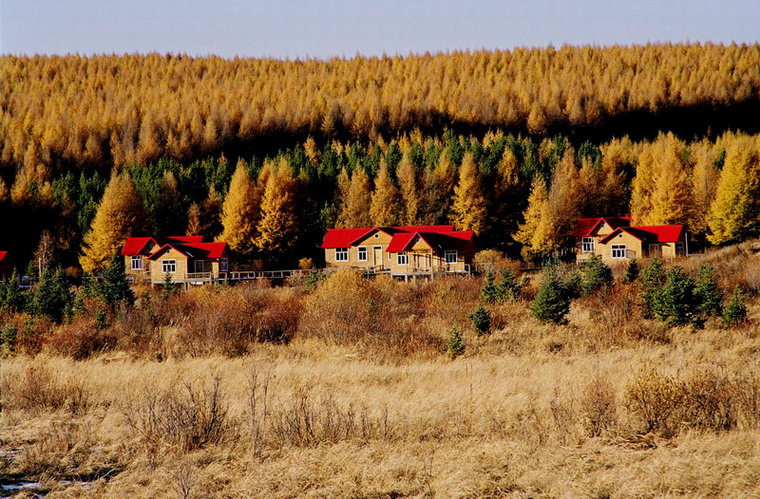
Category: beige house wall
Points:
column 375, row 258
column 634, row 248
column 156, row 266
column 136, row 273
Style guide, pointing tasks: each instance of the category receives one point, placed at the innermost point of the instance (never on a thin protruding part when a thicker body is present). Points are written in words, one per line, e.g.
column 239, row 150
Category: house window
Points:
column 362, row 253
column 402, row 259
column 136, row 262
column 587, row 244
column 169, row 266
column 619, row 250
column 224, row 265
column 450, row 256
column 341, row 254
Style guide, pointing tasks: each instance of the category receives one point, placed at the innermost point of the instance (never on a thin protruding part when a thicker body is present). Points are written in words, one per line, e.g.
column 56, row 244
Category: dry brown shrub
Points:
column 185, row 415
column 598, row 403
column 38, row 389
column 81, row 339
column 307, row 421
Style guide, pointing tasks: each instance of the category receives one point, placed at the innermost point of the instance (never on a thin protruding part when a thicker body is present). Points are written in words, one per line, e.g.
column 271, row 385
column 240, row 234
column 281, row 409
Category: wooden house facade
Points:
column 184, row 258
column 401, row 251
column 614, row 239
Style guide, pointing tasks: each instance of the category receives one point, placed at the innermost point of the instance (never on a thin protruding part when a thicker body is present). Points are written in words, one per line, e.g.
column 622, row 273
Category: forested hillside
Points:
column 541, row 136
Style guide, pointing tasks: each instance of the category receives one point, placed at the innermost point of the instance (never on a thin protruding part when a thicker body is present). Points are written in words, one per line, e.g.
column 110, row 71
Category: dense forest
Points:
column 267, row 154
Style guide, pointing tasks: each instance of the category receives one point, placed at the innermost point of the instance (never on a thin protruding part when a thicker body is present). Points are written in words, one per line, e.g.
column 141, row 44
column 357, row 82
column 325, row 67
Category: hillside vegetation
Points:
column 350, row 387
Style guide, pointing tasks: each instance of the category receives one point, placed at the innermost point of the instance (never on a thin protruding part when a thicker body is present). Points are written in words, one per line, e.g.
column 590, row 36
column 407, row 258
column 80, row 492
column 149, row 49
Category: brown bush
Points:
column 80, row 339
column 38, row 389
column 189, row 416
column 599, row 406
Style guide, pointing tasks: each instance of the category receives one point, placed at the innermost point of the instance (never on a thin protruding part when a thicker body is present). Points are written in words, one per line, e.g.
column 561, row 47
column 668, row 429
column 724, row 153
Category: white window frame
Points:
column 341, row 254
column 588, row 245
column 224, row 264
column 617, row 248
column 169, row 266
column 402, row 259
column 359, row 251
column 447, row 256
column 137, row 263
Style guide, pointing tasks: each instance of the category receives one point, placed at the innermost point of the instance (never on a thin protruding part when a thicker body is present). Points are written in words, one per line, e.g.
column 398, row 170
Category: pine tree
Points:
column 278, row 226
column 384, row 206
column 552, row 301
column 114, row 287
column 676, row 303
column 481, row 321
column 595, row 275
column 52, row 296
column 169, row 211
column 240, row 212
column 652, row 279
column 707, row 293
column 469, row 207
column 119, row 215
column 735, row 310
column 735, row 212
column 355, row 209
column 455, row 343
column 11, row 297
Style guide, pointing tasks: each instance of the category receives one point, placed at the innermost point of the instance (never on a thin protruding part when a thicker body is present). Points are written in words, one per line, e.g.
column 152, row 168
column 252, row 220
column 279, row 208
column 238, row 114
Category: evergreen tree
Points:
column 707, row 293
column 735, row 310
column 240, row 212
column 114, row 287
column 481, row 321
column 384, row 207
column 52, row 296
column 595, row 275
column 119, row 215
column 11, row 298
column 632, row 272
column 455, row 343
column 509, row 287
column 552, row 301
column 469, row 207
column 490, row 293
column 676, row 303
column 652, row 279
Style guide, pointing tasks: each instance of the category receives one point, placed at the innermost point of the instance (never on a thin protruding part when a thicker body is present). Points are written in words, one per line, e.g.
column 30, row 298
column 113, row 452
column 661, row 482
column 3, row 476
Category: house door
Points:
column 377, row 256
column 199, row 266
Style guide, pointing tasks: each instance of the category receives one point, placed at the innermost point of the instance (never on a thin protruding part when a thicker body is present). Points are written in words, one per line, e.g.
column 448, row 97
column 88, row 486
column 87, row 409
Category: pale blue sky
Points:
column 325, row 28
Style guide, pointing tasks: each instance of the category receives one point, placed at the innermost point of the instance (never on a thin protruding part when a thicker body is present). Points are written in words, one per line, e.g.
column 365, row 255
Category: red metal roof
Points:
column 436, row 240
column 650, row 233
column 139, row 245
column 3, row 254
column 193, row 250
column 587, row 227
column 136, row 245
column 344, row 238
column 401, row 241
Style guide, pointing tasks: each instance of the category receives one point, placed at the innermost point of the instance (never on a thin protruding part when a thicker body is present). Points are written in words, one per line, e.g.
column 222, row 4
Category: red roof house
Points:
column 402, row 250
column 614, row 238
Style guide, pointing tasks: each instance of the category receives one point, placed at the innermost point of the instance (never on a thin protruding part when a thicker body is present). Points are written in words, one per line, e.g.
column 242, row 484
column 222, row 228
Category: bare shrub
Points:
column 309, row 421
column 655, row 399
column 190, row 417
column 598, row 403
column 710, row 401
column 38, row 389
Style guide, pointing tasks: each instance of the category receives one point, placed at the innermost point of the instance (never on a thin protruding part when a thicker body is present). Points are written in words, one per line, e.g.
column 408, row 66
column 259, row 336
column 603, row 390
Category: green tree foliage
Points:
column 455, row 346
column 481, row 321
column 735, row 310
column 552, row 301
column 652, row 279
column 707, row 293
column 11, row 298
column 51, row 296
column 595, row 275
column 676, row 302
column 490, row 293
column 114, row 287
column 632, row 271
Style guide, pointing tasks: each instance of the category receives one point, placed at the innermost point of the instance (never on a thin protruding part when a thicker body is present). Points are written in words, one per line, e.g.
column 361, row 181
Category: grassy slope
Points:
column 512, row 415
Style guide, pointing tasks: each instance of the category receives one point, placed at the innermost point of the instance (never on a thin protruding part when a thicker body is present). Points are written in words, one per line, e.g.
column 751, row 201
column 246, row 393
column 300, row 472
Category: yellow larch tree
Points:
column 119, row 215
column 278, row 226
column 384, row 208
column 409, row 189
column 735, row 212
column 240, row 212
column 469, row 206
column 536, row 232
column 355, row 206
column 704, row 181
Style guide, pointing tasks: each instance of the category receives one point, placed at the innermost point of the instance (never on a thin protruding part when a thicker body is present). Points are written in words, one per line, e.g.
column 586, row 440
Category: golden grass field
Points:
column 607, row 406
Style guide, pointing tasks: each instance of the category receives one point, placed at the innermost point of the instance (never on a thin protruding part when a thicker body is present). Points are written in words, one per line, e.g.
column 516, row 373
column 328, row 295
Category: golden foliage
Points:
column 119, row 215
column 240, row 212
